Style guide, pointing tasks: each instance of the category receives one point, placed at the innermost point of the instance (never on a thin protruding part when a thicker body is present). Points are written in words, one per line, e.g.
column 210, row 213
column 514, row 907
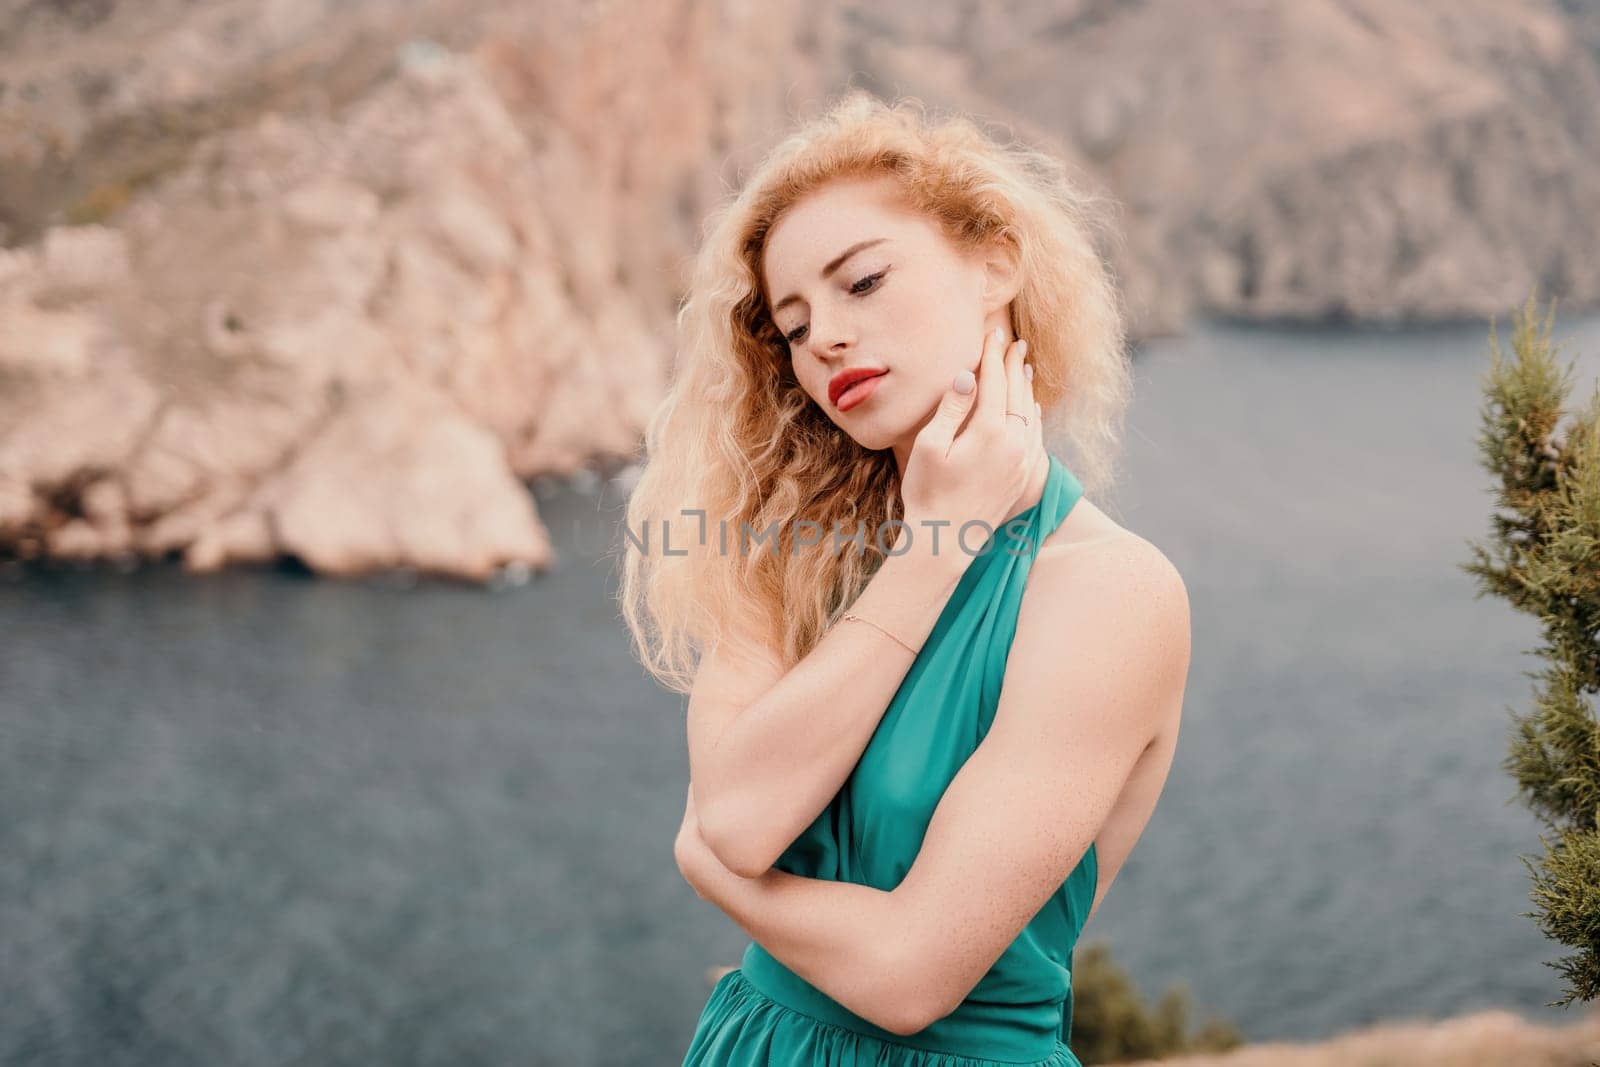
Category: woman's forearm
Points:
column 841, row 937
column 776, row 764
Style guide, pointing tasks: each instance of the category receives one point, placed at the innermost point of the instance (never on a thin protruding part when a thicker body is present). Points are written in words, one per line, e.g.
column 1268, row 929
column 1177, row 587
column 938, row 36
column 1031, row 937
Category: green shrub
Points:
column 1110, row 1024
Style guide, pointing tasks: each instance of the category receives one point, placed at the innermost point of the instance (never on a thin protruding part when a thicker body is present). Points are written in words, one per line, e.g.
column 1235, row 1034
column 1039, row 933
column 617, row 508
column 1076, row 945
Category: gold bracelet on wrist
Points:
column 880, row 629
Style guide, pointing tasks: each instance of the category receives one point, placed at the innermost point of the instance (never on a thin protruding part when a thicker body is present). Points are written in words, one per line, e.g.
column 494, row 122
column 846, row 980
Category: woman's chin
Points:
column 873, row 435
column 875, row 428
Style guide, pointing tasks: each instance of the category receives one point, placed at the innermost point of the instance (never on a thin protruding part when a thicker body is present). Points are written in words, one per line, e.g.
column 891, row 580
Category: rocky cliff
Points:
column 333, row 279
column 1322, row 160
column 347, row 331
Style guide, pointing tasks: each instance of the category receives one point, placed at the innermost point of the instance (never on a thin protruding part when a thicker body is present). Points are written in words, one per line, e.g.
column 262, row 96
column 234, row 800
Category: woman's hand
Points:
column 979, row 474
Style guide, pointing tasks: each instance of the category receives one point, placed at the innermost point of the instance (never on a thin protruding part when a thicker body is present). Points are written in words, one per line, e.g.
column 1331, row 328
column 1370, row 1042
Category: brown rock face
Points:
column 263, row 357
column 350, row 336
column 1321, row 159
column 274, row 269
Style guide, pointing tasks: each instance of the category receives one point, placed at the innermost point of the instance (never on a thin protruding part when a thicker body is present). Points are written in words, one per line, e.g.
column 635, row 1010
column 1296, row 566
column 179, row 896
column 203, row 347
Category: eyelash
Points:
column 793, row 335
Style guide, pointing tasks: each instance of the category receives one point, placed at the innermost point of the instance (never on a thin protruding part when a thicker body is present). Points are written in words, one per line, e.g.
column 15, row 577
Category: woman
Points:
column 933, row 692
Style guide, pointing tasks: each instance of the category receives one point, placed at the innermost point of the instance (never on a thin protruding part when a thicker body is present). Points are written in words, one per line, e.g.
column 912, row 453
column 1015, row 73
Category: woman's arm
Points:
column 829, row 933
column 767, row 749
column 1099, row 662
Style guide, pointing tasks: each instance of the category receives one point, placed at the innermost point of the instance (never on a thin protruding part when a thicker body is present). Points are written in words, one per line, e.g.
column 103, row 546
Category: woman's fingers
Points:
column 1030, row 407
column 1018, row 398
column 992, row 379
column 1036, row 423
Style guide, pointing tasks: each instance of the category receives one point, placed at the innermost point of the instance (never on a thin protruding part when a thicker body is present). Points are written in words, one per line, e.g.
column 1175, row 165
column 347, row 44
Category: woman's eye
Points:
column 856, row 289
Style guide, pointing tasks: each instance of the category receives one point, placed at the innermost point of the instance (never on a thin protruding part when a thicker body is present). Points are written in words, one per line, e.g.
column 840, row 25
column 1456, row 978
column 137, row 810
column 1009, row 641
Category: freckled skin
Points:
column 925, row 319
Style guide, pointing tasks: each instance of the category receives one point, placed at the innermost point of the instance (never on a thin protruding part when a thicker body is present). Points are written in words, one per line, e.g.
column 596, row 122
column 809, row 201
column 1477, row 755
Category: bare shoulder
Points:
column 1089, row 540
column 1093, row 573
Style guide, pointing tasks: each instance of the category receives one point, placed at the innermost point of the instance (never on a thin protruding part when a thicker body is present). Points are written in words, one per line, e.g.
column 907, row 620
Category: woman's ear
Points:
column 1002, row 274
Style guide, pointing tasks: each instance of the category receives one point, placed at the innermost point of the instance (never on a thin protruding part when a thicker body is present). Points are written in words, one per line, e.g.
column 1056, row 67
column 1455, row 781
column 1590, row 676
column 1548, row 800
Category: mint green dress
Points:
column 1020, row 1012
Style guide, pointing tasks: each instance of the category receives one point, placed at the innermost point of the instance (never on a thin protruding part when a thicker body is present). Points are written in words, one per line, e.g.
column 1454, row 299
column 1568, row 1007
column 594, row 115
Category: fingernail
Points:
column 1027, row 371
column 965, row 382
column 998, row 334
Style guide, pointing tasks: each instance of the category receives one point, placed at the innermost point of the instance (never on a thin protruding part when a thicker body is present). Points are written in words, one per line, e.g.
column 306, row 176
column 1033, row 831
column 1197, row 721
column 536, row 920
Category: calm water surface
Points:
column 264, row 818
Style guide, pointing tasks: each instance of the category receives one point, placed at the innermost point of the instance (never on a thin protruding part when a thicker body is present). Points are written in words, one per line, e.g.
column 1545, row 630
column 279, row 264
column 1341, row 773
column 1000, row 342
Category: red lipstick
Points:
column 853, row 385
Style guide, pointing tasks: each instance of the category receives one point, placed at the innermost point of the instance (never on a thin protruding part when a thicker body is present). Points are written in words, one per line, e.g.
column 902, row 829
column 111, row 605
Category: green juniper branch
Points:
column 1543, row 558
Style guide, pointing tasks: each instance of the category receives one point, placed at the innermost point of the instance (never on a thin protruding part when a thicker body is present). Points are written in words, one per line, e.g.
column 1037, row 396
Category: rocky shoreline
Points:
column 332, row 281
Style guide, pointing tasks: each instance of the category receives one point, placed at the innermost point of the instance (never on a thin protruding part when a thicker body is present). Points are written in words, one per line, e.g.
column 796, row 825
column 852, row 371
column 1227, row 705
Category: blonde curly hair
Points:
column 738, row 438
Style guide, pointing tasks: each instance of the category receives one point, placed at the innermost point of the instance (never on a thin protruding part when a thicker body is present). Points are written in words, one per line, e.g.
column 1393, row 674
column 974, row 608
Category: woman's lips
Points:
column 859, row 392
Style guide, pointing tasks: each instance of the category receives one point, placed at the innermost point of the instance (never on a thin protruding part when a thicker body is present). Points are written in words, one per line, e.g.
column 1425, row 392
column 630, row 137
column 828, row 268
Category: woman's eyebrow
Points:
column 833, row 265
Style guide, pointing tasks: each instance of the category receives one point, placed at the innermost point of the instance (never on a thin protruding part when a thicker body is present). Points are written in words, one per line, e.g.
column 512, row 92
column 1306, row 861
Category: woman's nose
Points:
column 834, row 350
